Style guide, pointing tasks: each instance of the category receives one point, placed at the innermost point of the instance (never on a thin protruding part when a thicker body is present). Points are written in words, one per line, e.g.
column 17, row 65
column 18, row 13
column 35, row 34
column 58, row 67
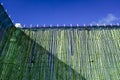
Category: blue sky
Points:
column 63, row 11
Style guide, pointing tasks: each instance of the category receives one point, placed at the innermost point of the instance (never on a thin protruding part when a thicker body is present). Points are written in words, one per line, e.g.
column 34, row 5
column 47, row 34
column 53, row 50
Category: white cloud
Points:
column 109, row 19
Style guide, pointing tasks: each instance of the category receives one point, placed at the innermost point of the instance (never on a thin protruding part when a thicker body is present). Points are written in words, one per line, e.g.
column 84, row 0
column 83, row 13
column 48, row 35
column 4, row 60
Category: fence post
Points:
column 77, row 25
column 70, row 25
column 57, row 25
column 84, row 25
column 37, row 25
column 43, row 25
column 64, row 25
column 50, row 25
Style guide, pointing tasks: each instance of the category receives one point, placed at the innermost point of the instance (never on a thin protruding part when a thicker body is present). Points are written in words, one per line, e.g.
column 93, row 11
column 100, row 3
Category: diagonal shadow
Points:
column 24, row 59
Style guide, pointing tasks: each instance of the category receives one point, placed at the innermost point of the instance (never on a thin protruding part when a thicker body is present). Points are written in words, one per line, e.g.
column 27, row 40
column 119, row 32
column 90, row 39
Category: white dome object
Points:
column 18, row 25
